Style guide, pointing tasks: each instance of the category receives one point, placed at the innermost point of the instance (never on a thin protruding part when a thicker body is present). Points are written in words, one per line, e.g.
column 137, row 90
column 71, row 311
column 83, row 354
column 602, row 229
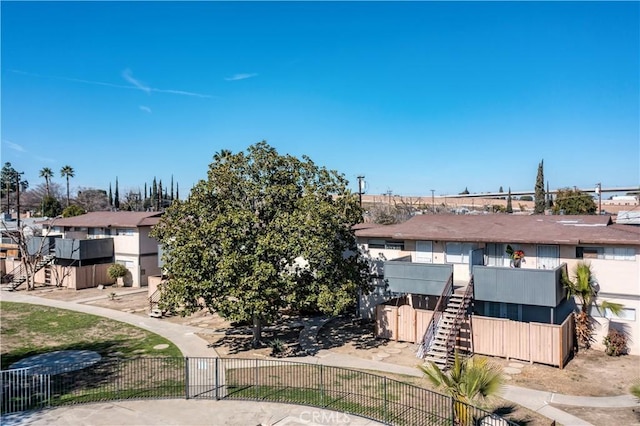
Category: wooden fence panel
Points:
column 488, row 335
column 386, row 321
column 422, row 322
column 406, row 324
column 517, row 343
column 544, row 343
column 568, row 342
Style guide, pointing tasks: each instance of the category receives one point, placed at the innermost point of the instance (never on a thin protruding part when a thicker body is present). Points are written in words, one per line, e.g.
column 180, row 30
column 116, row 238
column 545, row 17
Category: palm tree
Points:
column 469, row 380
column 584, row 288
column 67, row 171
column 47, row 174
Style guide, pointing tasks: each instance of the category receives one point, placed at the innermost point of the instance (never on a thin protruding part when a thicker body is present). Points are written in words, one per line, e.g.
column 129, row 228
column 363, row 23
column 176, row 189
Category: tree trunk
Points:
column 257, row 332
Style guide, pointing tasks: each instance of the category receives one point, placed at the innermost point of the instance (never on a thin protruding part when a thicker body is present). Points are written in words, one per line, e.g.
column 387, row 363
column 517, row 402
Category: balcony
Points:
column 73, row 249
column 405, row 276
column 538, row 287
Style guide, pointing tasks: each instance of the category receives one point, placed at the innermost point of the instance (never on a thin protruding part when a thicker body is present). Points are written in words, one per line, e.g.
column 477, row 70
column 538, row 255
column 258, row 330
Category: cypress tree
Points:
column 177, row 192
column 509, row 206
column 539, row 190
column 154, row 190
column 172, row 187
column 116, row 197
column 110, row 196
column 145, row 191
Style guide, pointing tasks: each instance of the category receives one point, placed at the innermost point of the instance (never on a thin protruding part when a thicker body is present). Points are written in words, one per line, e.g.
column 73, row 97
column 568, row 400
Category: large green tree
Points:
column 51, row 207
column 262, row 233
column 574, row 201
column 540, row 201
column 67, row 172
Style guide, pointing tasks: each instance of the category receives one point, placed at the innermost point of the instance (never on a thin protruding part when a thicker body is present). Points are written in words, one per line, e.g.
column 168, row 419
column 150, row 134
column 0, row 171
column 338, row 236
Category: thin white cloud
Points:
column 237, row 77
column 145, row 108
column 127, row 75
column 137, row 86
column 14, row 146
column 45, row 159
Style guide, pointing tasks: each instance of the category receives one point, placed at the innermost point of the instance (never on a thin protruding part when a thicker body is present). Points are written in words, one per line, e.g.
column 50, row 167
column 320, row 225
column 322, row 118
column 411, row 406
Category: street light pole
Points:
column 18, row 174
column 360, row 188
column 433, row 201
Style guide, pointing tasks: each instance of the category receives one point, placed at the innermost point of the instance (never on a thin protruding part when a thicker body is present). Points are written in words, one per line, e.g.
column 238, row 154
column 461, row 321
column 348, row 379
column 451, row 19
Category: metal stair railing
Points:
column 19, row 274
column 434, row 323
column 462, row 308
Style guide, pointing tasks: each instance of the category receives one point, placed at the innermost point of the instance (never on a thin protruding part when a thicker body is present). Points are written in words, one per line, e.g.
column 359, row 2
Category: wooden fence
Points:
column 75, row 277
column 402, row 323
column 527, row 341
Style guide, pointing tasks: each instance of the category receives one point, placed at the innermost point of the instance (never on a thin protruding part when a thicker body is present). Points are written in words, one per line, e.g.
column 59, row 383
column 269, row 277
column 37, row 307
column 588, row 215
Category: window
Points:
column 458, row 252
column 127, row 263
column 548, row 256
column 386, row 244
column 628, row 314
column 609, row 253
column 510, row 311
column 424, row 252
column 124, row 231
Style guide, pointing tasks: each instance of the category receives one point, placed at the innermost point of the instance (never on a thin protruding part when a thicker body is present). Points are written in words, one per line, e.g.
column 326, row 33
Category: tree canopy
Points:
column 573, row 201
column 262, row 233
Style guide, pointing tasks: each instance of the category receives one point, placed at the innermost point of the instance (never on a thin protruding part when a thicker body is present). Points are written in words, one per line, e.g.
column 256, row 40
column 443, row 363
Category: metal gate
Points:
column 203, row 378
column 23, row 390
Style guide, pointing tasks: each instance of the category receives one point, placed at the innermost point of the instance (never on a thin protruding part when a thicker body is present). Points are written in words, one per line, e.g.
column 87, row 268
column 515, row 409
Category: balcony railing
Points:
column 74, row 249
column 416, row 278
column 539, row 287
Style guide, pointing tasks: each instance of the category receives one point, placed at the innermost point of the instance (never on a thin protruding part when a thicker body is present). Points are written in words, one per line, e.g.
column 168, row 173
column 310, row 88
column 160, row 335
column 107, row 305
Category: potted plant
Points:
column 117, row 272
column 517, row 256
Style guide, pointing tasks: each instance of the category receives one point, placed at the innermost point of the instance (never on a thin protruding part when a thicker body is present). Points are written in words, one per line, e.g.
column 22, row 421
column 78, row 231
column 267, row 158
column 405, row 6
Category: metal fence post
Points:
column 322, row 386
column 217, row 379
column 257, row 383
column 384, row 405
column 453, row 411
column 186, row 377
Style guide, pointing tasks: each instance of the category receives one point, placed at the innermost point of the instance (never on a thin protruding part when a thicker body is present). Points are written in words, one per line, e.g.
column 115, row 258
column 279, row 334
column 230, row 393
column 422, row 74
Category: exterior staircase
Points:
column 443, row 343
column 19, row 274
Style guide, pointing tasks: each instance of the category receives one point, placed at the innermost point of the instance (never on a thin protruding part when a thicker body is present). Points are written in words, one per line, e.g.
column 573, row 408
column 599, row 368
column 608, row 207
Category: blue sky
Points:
column 413, row 95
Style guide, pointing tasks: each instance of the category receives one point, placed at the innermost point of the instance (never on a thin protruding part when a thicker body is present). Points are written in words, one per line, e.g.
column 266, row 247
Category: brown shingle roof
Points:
column 110, row 219
column 499, row 228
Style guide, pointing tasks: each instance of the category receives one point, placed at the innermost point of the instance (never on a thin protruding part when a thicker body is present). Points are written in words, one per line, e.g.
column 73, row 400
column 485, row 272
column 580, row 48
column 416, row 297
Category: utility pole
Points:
column 360, row 188
column 599, row 192
column 18, row 174
column 433, row 201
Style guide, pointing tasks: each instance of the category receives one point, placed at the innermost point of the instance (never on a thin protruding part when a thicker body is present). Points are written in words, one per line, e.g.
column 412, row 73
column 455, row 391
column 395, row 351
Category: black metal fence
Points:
column 339, row 389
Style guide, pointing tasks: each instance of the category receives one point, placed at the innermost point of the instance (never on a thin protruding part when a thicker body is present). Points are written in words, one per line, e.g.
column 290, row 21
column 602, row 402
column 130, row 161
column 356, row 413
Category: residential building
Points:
column 108, row 237
column 422, row 254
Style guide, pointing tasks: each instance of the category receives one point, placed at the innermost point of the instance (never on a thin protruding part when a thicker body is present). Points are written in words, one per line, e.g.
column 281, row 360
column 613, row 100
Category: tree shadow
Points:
column 507, row 411
column 343, row 330
column 104, row 348
column 238, row 340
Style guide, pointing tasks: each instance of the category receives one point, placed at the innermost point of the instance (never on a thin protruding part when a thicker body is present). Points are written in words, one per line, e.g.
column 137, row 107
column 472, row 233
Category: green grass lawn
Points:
column 28, row 330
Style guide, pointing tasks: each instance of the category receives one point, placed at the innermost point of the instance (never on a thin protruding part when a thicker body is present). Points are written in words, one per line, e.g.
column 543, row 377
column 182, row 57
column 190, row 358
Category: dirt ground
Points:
column 589, row 373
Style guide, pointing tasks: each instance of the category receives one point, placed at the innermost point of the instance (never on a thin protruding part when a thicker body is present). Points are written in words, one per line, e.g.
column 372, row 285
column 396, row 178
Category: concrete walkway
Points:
column 191, row 345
